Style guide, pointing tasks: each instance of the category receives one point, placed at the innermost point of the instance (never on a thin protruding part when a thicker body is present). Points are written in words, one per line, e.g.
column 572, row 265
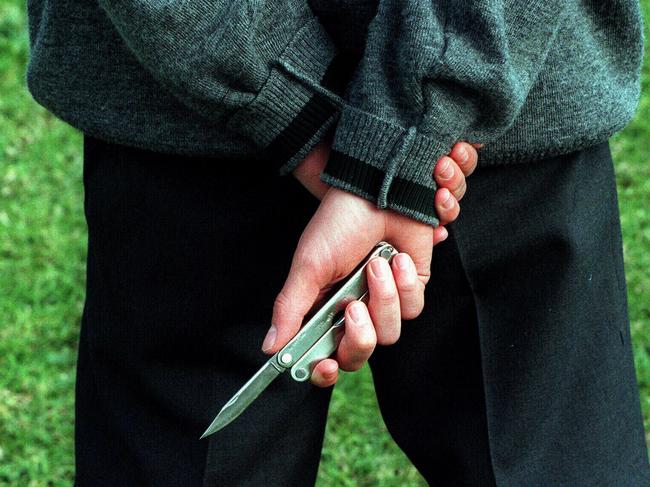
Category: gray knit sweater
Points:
column 397, row 81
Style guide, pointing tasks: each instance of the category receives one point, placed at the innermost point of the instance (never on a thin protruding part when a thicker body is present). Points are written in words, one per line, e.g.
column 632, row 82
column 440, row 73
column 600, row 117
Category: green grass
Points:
column 631, row 153
column 42, row 260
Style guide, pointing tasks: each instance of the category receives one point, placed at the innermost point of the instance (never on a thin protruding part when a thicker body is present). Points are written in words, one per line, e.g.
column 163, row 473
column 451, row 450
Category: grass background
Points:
column 42, row 262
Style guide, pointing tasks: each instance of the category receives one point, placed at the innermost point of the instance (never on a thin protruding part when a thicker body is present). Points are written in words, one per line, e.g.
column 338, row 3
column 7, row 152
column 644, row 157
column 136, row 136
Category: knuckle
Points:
column 281, row 301
column 424, row 279
column 386, row 297
column 408, row 287
column 386, row 300
column 306, row 261
column 350, row 361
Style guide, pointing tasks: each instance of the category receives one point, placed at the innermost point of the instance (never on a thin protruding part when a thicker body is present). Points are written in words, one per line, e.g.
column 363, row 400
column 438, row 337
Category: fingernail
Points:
column 402, row 262
column 444, row 234
column 269, row 339
column 462, row 153
column 448, row 202
column 355, row 312
column 446, row 172
column 377, row 268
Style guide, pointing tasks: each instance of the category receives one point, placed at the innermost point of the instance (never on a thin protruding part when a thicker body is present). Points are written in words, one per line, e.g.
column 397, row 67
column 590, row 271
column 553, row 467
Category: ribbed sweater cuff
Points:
column 384, row 163
column 299, row 100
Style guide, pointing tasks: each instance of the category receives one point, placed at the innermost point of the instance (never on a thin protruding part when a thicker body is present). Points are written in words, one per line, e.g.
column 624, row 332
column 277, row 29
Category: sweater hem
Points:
column 163, row 145
column 497, row 156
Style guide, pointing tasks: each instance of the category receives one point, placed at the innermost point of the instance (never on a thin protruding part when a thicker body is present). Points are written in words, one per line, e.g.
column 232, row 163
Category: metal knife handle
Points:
column 354, row 287
column 323, row 348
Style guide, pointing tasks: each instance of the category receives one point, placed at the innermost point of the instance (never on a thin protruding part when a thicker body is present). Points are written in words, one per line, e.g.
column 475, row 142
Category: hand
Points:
column 343, row 230
column 450, row 173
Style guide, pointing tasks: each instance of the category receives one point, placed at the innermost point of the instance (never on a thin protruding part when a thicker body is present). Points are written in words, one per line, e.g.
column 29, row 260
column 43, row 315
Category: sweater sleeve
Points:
column 434, row 73
column 268, row 69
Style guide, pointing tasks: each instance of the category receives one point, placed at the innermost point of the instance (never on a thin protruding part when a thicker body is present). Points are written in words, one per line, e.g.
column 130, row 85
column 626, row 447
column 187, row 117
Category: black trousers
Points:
column 519, row 372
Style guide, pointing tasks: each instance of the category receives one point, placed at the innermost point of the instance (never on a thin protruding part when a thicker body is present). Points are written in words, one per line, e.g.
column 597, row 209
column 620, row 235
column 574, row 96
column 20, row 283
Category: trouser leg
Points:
column 539, row 246
column 430, row 385
column 185, row 258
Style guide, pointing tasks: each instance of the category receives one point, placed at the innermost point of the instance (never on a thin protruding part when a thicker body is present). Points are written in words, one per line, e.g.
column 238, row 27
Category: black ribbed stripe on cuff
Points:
column 300, row 130
column 315, row 117
column 294, row 107
column 407, row 197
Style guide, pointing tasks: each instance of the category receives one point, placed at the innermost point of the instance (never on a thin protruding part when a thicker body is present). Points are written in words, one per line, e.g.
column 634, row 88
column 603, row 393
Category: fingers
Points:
column 450, row 171
column 409, row 287
column 356, row 346
column 465, row 156
column 446, row 206
column 384, row 302
column 414, row 238
column 325, row 373
column 440, row 234
column 449, row 175
column 395, row 292
column 359, row 340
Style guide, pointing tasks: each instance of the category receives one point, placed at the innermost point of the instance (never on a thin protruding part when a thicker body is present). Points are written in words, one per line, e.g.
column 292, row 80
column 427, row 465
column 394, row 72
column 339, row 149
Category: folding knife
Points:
column 318, row 338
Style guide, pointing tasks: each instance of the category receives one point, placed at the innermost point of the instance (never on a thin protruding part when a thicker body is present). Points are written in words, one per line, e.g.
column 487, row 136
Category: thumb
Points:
column 300, row 291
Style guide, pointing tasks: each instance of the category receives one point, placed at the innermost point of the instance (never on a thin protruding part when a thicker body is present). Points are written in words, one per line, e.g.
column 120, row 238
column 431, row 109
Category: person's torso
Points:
column 82, row 71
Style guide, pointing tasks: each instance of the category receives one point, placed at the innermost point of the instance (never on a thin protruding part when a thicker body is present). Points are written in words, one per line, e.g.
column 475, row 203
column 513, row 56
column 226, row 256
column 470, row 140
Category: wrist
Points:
column 310, row 168
column 373, row 220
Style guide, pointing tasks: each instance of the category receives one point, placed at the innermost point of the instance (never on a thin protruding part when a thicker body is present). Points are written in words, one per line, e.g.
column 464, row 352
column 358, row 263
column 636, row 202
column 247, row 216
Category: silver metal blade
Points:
column 245, row 396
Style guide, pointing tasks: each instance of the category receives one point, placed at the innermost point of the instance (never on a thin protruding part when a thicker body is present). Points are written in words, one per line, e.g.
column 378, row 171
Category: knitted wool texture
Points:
column 398, row 81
